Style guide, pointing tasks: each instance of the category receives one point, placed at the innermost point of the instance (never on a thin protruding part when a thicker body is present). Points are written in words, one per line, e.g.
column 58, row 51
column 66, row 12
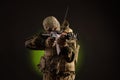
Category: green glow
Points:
column 35, row 56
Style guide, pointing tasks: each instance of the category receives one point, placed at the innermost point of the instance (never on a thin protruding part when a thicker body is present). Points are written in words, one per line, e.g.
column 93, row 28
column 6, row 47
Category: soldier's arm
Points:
column 35, row 43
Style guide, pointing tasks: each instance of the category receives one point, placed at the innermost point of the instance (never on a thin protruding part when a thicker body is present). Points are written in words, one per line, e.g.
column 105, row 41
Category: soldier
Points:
column 42, row 42
column 61, row 50
column 69, row 53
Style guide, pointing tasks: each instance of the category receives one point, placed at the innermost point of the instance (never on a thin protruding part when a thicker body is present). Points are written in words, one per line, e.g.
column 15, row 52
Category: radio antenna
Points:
column 66, row 12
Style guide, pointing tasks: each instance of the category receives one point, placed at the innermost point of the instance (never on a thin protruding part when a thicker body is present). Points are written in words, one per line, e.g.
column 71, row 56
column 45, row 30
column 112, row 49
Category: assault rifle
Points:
column 56, row 35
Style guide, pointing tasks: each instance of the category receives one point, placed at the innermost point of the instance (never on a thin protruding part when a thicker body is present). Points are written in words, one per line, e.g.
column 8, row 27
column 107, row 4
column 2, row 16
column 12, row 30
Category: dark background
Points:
column 93, row 20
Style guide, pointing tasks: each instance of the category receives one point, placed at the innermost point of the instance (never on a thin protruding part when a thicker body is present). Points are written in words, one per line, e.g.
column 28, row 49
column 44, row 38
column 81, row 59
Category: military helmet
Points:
column 51, row 23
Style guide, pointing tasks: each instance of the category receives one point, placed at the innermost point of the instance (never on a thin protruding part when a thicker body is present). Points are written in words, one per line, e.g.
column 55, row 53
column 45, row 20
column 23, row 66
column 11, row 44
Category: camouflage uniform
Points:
column 54, row 66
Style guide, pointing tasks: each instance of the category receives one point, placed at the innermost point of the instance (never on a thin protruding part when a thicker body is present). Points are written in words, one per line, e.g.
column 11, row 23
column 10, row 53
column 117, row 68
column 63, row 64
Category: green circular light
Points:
column 35, row 56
